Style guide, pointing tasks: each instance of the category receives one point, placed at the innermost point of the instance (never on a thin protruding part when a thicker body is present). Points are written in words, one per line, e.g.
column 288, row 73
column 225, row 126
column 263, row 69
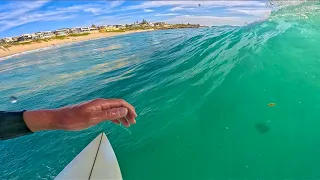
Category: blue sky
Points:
column 18, row 17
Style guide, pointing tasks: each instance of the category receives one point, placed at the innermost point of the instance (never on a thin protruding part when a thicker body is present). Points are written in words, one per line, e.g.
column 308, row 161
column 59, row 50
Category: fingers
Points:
column 115, row 113
column 116, row 121
column 115, row 103
column 130, row 119
column 113, row 109
column 109, row 114
column 124, row 121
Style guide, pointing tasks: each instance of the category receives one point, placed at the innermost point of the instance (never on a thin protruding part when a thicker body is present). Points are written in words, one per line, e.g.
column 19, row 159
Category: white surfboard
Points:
column 96, row 161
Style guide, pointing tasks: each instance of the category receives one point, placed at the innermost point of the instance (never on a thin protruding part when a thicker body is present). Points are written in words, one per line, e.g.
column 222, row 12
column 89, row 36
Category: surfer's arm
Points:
column 77, row 117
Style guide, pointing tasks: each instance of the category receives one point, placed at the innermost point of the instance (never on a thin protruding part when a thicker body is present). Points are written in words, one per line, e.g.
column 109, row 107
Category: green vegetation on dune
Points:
column 76, row 35
column 113, row 30
column 60, row 37
column 25, row 43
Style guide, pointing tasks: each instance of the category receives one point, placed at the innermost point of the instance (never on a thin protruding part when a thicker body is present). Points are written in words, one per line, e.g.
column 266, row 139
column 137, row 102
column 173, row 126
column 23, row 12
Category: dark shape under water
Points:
column 262, row 127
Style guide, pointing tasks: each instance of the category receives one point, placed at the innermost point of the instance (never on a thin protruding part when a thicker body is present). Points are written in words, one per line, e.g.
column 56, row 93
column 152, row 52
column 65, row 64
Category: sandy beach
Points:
column 28, row 47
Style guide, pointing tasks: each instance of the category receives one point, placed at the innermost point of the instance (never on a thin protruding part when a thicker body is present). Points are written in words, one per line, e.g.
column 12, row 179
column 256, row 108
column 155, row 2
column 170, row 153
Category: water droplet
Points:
column 247, row 166
column 227, row 128
column 178, row 137
column 300, row 102
column 13, row 99
column 313, row 76
column 268, row 121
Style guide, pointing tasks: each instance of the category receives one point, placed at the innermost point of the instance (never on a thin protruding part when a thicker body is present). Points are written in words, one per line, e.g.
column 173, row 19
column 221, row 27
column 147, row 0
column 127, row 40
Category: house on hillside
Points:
column 111, row 28
column 47, row 34
column 159, row 23
column 102, row 27
column 85, row 29
column 79, row 30
column 25, row 37
column 94, row 30
column 7, row 40
column 75, row 30
column 42, row 35
column 120, row 26
column 62, row 32
column 135, row 25
column 37, row 35
column 15, row 39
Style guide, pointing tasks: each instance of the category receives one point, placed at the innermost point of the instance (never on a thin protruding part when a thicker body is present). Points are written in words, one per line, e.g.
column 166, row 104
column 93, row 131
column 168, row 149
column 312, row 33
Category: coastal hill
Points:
column 38, row 40
column 67, row 33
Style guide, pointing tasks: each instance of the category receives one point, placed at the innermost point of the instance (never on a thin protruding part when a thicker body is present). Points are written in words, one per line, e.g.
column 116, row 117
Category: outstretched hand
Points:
column 82, row 116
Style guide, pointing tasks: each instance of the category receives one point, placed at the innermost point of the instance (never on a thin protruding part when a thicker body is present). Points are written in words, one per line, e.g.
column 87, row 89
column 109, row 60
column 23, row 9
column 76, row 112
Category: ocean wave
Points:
column 187, row 86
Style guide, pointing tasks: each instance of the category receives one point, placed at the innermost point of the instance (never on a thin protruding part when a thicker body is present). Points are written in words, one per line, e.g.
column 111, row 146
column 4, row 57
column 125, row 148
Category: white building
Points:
column 25, row 37
column 75, row 30
column 7, row 40
column 80, row 30
column 47, row 34
column 62, row 32
column 85, row 29
column 94, row 29
column 36, row 35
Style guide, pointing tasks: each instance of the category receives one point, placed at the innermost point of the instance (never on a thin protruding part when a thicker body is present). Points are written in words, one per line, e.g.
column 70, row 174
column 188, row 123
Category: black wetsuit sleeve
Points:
column 12, row 125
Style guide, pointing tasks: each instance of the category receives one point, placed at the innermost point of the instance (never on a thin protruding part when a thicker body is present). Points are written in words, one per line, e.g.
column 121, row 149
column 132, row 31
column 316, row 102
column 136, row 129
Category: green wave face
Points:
column 213, row 103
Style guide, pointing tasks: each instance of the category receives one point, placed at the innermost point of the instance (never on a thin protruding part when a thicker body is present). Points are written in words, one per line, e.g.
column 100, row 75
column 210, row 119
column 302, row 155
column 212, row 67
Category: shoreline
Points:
column 22, row 49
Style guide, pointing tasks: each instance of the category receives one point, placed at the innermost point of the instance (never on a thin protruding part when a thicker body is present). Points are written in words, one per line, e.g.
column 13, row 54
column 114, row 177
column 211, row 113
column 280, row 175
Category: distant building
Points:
column 62, row 32
column 47, row 34
column 94, row 29
column 15, row 39
column 101, row 27
column 79, row 30
column 75, row 30
column 120, row 26
column 37, row 35
column 159, row 23
column 111, row 28
column 85, row 29
column 25, row 37
column 7, row 40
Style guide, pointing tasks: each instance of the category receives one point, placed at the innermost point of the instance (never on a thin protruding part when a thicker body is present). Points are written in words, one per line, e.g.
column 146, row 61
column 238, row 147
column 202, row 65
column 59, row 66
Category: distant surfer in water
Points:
column 71, row 118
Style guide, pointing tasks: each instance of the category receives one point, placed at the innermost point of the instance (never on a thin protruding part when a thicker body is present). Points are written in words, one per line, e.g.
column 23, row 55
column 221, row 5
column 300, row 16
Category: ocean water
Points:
column 202, row 95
